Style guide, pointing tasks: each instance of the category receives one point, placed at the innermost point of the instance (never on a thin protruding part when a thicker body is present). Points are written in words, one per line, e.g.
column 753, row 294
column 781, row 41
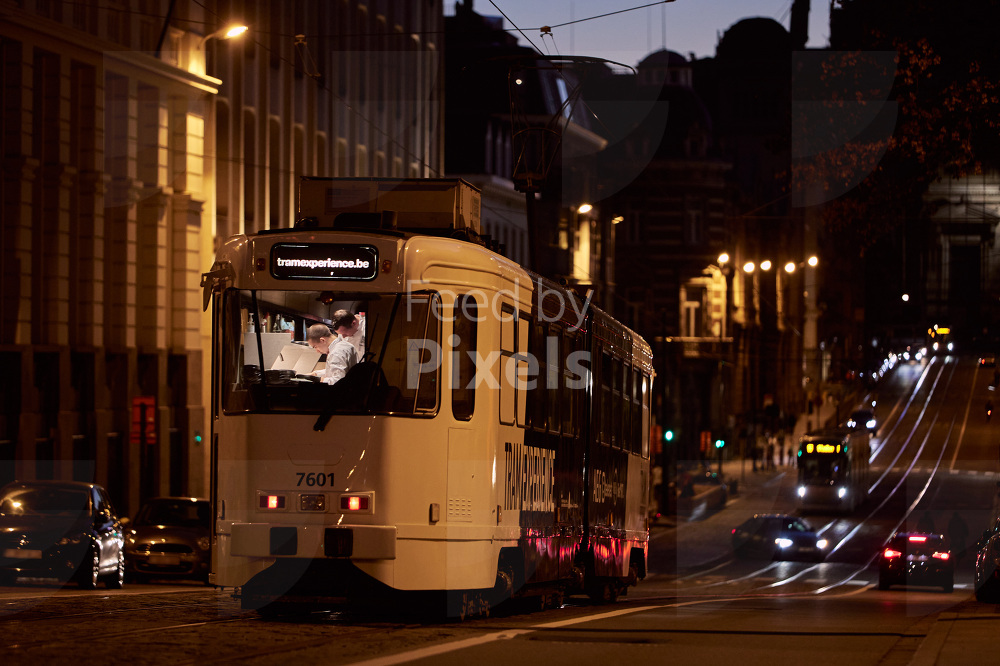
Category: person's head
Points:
column 345, row 323
column 319, row 337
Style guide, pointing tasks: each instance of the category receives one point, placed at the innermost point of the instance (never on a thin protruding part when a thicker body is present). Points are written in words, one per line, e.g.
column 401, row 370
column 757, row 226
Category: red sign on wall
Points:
column 143, row 420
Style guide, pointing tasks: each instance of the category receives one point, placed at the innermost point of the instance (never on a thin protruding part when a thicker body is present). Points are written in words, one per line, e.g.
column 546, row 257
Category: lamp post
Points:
column 197, row 59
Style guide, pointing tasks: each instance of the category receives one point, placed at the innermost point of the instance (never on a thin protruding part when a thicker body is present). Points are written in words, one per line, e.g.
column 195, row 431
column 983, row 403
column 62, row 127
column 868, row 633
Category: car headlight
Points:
column 870, row 424
column 782, row 542
column 802, row 491
column 204, row 543
column 841, row 492
column 821, row 543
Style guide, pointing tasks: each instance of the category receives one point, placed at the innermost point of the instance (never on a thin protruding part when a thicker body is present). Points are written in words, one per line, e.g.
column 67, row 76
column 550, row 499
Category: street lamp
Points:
column 197, row 59
column 228, row 32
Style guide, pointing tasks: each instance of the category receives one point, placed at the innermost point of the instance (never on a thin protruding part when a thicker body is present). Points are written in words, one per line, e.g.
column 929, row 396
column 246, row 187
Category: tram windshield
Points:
column 822, row 469
column 268, row 366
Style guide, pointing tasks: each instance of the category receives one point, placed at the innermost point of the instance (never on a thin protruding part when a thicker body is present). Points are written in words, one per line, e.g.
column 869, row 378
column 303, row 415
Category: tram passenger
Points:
column 340, row 354
column 351, row 327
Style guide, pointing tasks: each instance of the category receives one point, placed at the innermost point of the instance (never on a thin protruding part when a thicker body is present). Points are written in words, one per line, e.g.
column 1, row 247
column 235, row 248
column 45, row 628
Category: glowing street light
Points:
column 227, row 32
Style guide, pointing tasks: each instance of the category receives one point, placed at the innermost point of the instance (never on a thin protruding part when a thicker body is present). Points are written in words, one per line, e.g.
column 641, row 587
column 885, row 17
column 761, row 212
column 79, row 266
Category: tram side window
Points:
column 635, row 400
column 644, row 426
column 537, row 409
column 605, row 406
column 618, row 404
column 626, row 403
column 551, row 376
column 508, row 340
column 463, row 392
column 570, row 388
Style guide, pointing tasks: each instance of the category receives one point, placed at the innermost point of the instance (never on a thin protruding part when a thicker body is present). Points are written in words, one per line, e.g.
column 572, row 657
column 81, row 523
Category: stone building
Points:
column 135, row 138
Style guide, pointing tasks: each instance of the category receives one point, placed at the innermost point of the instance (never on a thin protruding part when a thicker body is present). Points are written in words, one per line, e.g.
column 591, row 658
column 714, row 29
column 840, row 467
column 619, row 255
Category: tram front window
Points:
column 268, row 366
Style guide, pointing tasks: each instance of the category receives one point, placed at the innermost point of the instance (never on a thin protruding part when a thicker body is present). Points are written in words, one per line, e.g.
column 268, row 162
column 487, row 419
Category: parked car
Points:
column 987, row 577
column 61, row 529
column 778, row 536
column 916, row 558
column 170, row 538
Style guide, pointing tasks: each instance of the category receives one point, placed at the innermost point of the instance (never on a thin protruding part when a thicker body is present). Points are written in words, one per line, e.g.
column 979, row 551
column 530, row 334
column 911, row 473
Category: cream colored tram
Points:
column 492, row 443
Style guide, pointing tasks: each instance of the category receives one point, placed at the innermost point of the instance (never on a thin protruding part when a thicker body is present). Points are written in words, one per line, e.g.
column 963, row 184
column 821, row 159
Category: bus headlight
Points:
column 802, row 491
column 841, row 492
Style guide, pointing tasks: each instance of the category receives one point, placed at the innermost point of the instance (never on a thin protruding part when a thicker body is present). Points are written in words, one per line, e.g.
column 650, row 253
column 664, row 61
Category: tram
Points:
column 833, row 470
column 491, row 443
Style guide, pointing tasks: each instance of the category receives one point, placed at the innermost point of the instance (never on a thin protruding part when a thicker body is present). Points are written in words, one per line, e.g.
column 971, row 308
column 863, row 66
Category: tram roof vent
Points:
column 422, row 205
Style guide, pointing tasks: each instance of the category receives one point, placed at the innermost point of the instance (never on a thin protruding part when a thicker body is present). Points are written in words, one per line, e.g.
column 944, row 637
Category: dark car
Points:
column 916, row 558
column 778, row 536
column 863, row 419
column 988, row 566
column 170, row 538
column 60, row 529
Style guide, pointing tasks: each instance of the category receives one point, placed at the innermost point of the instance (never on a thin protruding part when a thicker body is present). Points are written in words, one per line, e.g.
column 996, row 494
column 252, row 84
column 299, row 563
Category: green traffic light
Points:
column 668, row 435
column 719, row 443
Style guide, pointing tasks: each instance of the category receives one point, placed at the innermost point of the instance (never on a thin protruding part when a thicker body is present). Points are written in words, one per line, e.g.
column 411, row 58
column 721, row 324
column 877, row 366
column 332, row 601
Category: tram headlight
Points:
column 802, row 491
column 841, row 492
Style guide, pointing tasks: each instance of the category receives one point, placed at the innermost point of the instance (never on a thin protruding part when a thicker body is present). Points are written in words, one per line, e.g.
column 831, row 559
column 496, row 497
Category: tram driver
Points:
column 341, row 355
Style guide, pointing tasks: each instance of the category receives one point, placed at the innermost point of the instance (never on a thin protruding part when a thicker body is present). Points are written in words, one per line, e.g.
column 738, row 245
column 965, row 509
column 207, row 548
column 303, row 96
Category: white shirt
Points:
column 358, row 339
column 341, row 358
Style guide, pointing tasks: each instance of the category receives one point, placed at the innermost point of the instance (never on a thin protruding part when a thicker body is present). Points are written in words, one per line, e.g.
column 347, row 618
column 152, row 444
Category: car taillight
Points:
column 941, row 556
column 918, row 539
column 889, row 553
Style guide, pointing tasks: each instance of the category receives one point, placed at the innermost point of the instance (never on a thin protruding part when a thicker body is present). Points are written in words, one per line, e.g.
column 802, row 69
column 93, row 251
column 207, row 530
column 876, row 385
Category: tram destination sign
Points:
column 324, row 261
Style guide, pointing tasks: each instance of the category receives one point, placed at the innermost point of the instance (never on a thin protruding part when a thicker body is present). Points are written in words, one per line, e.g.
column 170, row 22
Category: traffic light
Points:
column 668, row 435
column 719, row 443
column 197, row 437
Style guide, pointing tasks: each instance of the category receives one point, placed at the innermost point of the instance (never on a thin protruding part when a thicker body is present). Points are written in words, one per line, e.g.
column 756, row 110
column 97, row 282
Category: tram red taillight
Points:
column 272, row 501
column 353, row 503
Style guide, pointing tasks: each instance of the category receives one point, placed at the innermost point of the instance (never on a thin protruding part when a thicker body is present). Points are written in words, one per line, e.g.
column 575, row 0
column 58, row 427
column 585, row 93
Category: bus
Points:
column 492, row 443
column 940, row 340
column 833, row 470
